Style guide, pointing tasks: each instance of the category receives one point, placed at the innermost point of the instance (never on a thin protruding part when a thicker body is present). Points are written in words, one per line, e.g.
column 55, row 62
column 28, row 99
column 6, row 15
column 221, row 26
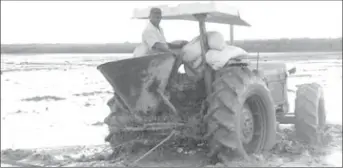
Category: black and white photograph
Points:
column 171, row 83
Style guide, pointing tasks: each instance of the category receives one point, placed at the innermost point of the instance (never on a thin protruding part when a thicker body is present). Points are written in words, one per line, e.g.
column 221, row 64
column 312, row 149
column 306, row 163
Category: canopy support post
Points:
column 204, row 48
column 231, row 34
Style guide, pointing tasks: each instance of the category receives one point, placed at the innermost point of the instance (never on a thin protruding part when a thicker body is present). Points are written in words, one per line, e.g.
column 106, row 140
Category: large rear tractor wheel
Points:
column 241, row 116
column 310, row 113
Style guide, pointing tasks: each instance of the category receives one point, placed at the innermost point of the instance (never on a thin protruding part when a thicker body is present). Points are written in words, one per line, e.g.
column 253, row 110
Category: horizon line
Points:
column 298, row 38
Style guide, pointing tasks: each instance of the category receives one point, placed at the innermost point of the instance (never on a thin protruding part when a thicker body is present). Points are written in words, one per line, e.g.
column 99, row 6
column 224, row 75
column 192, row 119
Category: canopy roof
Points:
column 216, row 13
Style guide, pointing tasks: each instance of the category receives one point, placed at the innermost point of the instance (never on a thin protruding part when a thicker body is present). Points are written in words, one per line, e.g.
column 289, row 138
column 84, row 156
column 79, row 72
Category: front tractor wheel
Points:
column 241, row 116
column 310, row 113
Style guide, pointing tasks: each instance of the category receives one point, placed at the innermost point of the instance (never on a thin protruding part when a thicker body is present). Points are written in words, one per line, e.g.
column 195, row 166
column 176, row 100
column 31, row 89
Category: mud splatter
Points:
column 95, row 93
column 43, row 98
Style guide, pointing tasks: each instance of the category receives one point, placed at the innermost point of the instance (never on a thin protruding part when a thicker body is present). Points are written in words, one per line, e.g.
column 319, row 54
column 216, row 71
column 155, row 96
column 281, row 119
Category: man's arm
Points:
column 155, row 43
column 174, row 46
column 177, row 46
column 162, row 47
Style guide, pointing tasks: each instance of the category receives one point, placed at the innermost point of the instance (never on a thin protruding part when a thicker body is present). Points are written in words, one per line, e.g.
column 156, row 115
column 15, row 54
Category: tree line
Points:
column 275, row 45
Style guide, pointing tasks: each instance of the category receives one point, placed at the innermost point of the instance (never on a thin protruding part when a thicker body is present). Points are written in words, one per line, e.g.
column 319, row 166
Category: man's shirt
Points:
column 150, row 36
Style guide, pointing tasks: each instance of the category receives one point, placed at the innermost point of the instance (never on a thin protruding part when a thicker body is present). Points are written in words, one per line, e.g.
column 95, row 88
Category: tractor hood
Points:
column 271, row 71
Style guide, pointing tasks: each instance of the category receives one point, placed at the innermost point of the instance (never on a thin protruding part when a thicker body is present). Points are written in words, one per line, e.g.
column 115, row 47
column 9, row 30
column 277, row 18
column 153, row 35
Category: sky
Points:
column 110, row 21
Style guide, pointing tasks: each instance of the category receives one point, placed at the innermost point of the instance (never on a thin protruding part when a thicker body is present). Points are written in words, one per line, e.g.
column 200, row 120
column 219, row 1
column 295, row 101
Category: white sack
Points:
column 217, row 59
column 192, row 76
column 195, row 63
column 192, row 50
column 216, row 40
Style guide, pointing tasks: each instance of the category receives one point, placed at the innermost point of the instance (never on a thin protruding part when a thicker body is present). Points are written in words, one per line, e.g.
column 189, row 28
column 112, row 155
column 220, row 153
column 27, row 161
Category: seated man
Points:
column 153, row 39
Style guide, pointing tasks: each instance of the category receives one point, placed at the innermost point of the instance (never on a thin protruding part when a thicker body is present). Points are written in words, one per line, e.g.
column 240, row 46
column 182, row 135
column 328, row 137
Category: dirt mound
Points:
column 26, row 158
column 182, row 153
column 43, row 98
column 56, row 157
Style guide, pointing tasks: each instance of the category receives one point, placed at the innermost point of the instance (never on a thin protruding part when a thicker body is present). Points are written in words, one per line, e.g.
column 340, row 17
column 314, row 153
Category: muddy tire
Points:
column 310, row 113
column 235, row 90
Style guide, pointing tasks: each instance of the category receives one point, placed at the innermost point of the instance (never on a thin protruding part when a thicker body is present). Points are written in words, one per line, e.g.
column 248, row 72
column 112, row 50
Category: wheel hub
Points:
column 247, row 125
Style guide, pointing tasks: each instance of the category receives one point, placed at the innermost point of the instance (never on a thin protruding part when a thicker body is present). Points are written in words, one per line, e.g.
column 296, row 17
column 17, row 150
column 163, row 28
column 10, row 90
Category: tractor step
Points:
column 287, row 119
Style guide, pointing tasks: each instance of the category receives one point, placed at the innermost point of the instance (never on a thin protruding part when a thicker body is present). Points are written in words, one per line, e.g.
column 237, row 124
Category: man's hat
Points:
column 155, row 11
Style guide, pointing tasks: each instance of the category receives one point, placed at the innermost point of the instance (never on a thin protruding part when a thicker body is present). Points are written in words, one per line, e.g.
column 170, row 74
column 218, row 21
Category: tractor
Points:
column 236, row 109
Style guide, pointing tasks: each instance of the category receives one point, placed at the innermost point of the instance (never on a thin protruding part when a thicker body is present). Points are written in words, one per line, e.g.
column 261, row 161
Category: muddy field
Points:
column 53, row 106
